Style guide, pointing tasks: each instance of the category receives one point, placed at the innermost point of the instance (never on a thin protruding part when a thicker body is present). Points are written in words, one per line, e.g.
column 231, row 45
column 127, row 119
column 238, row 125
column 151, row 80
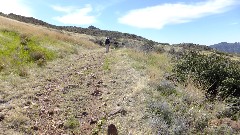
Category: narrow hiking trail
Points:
column 84, row 93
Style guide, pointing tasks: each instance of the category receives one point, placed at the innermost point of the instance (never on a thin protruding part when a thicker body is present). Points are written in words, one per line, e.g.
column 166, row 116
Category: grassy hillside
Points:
column 56, row 82
column 23, row 45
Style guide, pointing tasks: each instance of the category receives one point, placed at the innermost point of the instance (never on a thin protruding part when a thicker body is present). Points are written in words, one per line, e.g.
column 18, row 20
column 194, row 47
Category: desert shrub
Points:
column 162, row 110
column 159, row 49
column 22, row 71
column 37, row 55
column 166, row 88
column 71, row 123
column 215, row 73
column 172, row 51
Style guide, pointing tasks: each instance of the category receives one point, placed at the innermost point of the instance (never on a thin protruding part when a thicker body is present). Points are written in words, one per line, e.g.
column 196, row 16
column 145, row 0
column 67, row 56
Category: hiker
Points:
column 107, row 43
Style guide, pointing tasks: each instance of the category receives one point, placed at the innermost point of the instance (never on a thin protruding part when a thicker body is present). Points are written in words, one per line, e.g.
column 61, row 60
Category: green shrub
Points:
column 71, row 123
column 159, row 49
column 215, row 73
column 19, row 50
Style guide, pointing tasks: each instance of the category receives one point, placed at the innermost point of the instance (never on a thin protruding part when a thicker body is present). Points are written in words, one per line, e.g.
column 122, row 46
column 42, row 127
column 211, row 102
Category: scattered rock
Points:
column 35, row 128
column 116, row 111
column 39, row 94
column 60, row 124
column 93, row 121
column 112, row 130
column 88, row 84
column 100, row 82
column 56, row 109
column 51, row 113
column 85, row 114
column 97, row 93
column 28, row 103
column 233, row 124
column 2, row 117
column 93, row 76
column 2, row 101
column 113, row 81
column 98, row 85
column 105, row 104
column 46, row 99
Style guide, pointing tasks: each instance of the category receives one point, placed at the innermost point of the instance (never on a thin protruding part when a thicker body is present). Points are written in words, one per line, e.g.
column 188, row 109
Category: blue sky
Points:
column 170, row 21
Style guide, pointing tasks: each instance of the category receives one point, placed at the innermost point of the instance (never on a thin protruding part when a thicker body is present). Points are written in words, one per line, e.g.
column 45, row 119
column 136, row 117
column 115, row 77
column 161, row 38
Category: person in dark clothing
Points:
column 107, row 43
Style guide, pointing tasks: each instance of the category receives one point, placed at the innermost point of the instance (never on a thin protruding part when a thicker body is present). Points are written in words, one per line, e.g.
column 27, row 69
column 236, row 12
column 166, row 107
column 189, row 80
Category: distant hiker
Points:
column 107, row 43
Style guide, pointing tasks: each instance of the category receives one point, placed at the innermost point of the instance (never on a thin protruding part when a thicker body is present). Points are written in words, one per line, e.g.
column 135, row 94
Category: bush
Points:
column 159, row 49
column 71, row 123
column 36, row 55
column 215, row 73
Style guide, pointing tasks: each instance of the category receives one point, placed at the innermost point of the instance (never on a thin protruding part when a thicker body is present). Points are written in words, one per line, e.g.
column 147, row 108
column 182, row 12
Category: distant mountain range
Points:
column 227, row 47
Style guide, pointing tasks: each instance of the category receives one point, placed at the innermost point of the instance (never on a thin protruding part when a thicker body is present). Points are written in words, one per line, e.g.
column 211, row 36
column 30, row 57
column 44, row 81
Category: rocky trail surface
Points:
column 84, row 93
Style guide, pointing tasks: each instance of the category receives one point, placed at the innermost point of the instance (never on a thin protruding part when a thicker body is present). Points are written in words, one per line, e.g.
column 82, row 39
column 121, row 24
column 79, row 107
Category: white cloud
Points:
column 234, row 23
column 63, row 9
column 156, row 17
column 18, row 7
column 75, row 16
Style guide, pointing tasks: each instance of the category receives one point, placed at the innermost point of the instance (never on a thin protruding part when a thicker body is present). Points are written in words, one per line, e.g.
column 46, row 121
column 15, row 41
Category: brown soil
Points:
column 80, row 94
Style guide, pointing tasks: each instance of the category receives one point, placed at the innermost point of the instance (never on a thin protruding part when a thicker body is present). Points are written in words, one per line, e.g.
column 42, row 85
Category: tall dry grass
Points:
column 42, row 32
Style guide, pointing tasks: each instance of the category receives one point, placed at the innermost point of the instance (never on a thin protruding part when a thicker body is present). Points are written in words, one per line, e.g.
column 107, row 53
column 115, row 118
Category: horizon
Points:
column 204, row 22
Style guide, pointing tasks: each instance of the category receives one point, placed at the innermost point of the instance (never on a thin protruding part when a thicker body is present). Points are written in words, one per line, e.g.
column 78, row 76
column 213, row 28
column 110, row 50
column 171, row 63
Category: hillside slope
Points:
column 74, row 93
column 227, row 47
column 82, row 90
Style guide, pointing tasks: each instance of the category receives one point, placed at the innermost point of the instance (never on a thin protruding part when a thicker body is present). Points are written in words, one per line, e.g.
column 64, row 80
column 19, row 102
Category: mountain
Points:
column 227, row 47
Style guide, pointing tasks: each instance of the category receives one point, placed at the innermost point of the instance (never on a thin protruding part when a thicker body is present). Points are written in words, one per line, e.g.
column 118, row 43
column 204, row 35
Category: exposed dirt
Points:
column 81, row 94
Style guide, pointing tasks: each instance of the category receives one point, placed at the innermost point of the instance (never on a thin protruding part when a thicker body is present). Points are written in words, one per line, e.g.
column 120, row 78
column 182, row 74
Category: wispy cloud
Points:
column 234, row 23
column 75, row 16
column 68, row 9
column 17, row 7
column 156, row 17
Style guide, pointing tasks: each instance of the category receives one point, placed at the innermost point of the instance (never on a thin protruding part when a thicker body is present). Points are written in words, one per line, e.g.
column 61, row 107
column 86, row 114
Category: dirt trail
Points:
column 84, row 93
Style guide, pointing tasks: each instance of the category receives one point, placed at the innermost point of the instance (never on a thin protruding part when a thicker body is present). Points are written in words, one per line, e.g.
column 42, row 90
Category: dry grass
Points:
column 155, row 64
column 175, row 109
column 42, row 32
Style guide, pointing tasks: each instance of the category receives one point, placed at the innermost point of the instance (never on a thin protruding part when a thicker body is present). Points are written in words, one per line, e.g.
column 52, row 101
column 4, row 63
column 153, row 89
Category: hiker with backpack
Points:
column 107, row 43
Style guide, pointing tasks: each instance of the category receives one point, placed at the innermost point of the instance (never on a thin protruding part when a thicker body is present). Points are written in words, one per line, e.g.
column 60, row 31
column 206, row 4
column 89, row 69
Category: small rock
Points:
column 96, row 93
column 100, row 82
column 39, row 94
column 116, row 111
column 113, row 81
column 60, row 124
column 85, row 114
column 25, row 107
column 56, row 109
column 93, row 121
column 46, row 99
column 2, row 117
column 98, row 85
column 35, row 128
column 93, row 76
column 28, row 103
column 2, row 101
column 112, row 130
column 88, row 84
column 50, row 113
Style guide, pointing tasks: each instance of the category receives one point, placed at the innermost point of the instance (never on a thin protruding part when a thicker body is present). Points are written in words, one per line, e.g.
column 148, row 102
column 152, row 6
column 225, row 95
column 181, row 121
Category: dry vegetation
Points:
column 83, row 90
column 42, row 32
